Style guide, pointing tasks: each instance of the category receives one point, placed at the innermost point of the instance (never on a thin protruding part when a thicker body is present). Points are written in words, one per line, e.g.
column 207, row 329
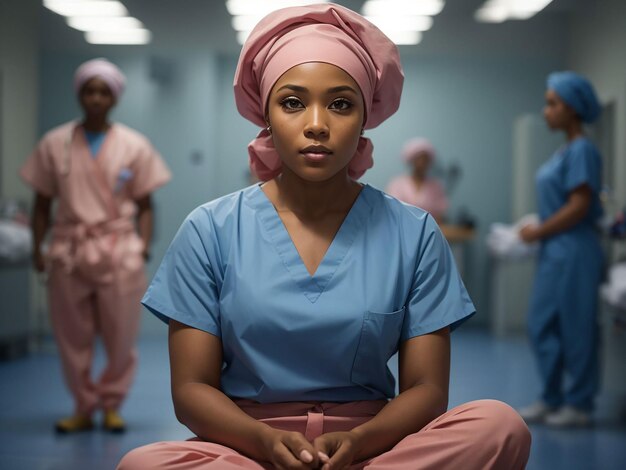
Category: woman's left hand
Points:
column 337, row 450
column 529, row 233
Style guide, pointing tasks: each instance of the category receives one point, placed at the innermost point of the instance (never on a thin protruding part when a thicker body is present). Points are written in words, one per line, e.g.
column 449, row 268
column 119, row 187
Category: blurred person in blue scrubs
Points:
column 562, row 318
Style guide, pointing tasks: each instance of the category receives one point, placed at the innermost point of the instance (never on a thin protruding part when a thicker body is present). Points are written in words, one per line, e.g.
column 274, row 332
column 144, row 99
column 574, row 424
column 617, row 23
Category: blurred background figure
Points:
column 418, row 188
column 562, row 321
column 101, row 175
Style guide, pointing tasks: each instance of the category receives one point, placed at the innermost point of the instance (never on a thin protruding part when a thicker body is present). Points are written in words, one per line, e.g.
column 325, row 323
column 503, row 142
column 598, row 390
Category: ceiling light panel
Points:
column 263, row 7
column 102, row 21
column 402, row 7
column 86, row 7
column 497, row 11
column 92, row 23
column 402, row 23
column 131, row 36
column 247, row 13
column 404, row 38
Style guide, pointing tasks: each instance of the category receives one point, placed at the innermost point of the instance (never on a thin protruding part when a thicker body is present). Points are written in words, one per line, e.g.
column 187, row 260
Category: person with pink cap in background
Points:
column 285, row 300
column 101, row 175
column 418, row 189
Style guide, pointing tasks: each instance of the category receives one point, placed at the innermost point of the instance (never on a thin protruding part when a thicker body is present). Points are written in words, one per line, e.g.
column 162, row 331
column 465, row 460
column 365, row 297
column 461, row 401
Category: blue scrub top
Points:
column 95, row 141
column 233, row 271
column 575, row 164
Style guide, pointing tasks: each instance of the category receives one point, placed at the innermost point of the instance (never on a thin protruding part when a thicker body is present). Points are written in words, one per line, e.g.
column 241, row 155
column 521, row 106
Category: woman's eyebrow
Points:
column 335, row 89
column 293, row 87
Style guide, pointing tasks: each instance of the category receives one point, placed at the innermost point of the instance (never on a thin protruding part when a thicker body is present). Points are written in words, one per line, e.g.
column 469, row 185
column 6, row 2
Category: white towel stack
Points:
column 504, row 241
column 15, row 241
column 614, row 291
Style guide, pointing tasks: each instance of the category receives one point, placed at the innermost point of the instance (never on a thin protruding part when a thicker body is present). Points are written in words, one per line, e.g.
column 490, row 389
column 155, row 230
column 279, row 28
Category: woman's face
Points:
column 96, row 98
column 557, row 113
column 316, row 112
column 421, row 163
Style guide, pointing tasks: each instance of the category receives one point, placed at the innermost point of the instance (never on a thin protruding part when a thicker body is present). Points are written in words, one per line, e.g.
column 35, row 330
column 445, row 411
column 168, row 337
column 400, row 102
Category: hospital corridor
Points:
column 364, row 234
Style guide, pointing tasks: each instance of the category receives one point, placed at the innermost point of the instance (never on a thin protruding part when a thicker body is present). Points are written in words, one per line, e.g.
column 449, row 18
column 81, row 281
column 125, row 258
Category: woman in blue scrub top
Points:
column 286, row 300
column 562, row 320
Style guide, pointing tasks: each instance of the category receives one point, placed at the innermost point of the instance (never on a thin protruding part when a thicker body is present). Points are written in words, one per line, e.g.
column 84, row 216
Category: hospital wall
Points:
column 19, row 108
column 19, row 75
column 597, row 50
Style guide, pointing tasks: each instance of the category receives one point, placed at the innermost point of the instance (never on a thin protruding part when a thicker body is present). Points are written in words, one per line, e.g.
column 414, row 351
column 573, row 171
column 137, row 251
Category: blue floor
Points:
column 33, row 397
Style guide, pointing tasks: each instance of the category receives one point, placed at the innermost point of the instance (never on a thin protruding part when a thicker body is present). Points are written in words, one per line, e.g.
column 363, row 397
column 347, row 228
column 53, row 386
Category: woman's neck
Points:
column 418, row 177
column 96, row 123
column 313, row 199
column 574, row 130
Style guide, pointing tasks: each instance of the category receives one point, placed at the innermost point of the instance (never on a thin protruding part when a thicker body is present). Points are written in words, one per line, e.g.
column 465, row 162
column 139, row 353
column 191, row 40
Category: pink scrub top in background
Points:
column 96, row 197
column 430, row 196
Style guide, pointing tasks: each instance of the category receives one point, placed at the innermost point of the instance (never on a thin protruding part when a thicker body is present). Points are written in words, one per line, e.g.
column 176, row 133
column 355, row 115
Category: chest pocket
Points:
column 380, row 336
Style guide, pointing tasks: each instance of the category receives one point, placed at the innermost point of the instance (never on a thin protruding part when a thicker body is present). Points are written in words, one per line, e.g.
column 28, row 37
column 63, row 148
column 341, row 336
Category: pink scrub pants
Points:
column 80, row 310
column 478, row 435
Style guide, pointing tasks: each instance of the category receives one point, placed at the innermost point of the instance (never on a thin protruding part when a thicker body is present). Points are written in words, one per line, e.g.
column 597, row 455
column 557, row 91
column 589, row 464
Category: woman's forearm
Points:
column 145, row 222
column 406, row 414
column 40, row 225
column 564, row 219
column 40, row 222
column 214, row 417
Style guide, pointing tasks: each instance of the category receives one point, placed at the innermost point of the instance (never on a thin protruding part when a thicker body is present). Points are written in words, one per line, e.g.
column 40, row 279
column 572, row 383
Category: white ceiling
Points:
column 205, row 24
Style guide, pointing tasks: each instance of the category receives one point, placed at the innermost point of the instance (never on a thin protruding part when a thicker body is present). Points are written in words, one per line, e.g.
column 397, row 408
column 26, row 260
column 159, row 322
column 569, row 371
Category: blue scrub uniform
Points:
column 562, row 319
column 233, row 271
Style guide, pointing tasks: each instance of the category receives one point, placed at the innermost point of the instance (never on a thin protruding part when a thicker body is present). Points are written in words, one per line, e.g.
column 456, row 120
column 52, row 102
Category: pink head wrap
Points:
column 102, row 69
column 316, row 33
column 414, row 147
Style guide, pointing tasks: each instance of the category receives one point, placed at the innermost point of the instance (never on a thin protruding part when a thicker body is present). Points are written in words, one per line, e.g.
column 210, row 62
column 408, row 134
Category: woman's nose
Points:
column 316, row 125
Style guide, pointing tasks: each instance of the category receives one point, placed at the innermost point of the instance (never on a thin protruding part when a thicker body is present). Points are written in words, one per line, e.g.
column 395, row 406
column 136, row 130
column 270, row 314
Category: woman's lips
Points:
column 315, row 153
column 315, row 156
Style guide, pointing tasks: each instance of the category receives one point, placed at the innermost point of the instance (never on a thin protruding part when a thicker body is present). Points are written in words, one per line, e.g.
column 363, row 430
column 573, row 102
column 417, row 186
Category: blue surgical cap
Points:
column 577, row 92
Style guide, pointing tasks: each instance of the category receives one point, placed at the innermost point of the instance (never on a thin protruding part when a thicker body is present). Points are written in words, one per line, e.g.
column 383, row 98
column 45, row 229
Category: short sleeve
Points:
column 184, row 287
column 149, row 172
column 583, row 166
column 438, row 297
column 38, row 171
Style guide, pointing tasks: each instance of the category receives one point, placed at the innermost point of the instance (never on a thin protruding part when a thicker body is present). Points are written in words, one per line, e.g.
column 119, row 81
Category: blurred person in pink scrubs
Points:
column 101, row 175
column 418, row 189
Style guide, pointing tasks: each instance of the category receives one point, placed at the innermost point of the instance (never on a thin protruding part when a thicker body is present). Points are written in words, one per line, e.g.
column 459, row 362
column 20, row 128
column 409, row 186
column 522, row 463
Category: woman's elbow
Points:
column 180, row 400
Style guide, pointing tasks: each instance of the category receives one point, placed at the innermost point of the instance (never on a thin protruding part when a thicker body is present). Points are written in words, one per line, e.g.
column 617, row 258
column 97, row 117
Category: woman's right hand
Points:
column 289, row 450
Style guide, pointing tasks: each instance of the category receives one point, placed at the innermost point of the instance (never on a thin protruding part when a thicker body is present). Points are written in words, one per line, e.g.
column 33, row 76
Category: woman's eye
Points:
column 341, row 104
column 291, row 103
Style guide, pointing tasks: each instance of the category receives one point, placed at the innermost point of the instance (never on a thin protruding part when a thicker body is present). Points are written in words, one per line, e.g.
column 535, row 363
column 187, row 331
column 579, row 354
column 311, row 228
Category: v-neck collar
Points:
column 312, row 285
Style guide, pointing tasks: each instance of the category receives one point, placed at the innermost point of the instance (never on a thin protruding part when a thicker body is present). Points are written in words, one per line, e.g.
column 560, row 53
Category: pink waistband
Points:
column 81, row 230
column 366, row 408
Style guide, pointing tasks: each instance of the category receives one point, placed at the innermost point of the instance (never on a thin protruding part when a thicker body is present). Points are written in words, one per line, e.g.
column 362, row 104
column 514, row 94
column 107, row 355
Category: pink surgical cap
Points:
column 103, row 69
column 326, row 33
column 414, row 147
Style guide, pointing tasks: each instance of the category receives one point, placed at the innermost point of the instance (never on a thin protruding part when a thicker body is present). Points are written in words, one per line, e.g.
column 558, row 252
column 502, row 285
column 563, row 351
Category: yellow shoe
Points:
column 113, row 422
column 74, row 423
